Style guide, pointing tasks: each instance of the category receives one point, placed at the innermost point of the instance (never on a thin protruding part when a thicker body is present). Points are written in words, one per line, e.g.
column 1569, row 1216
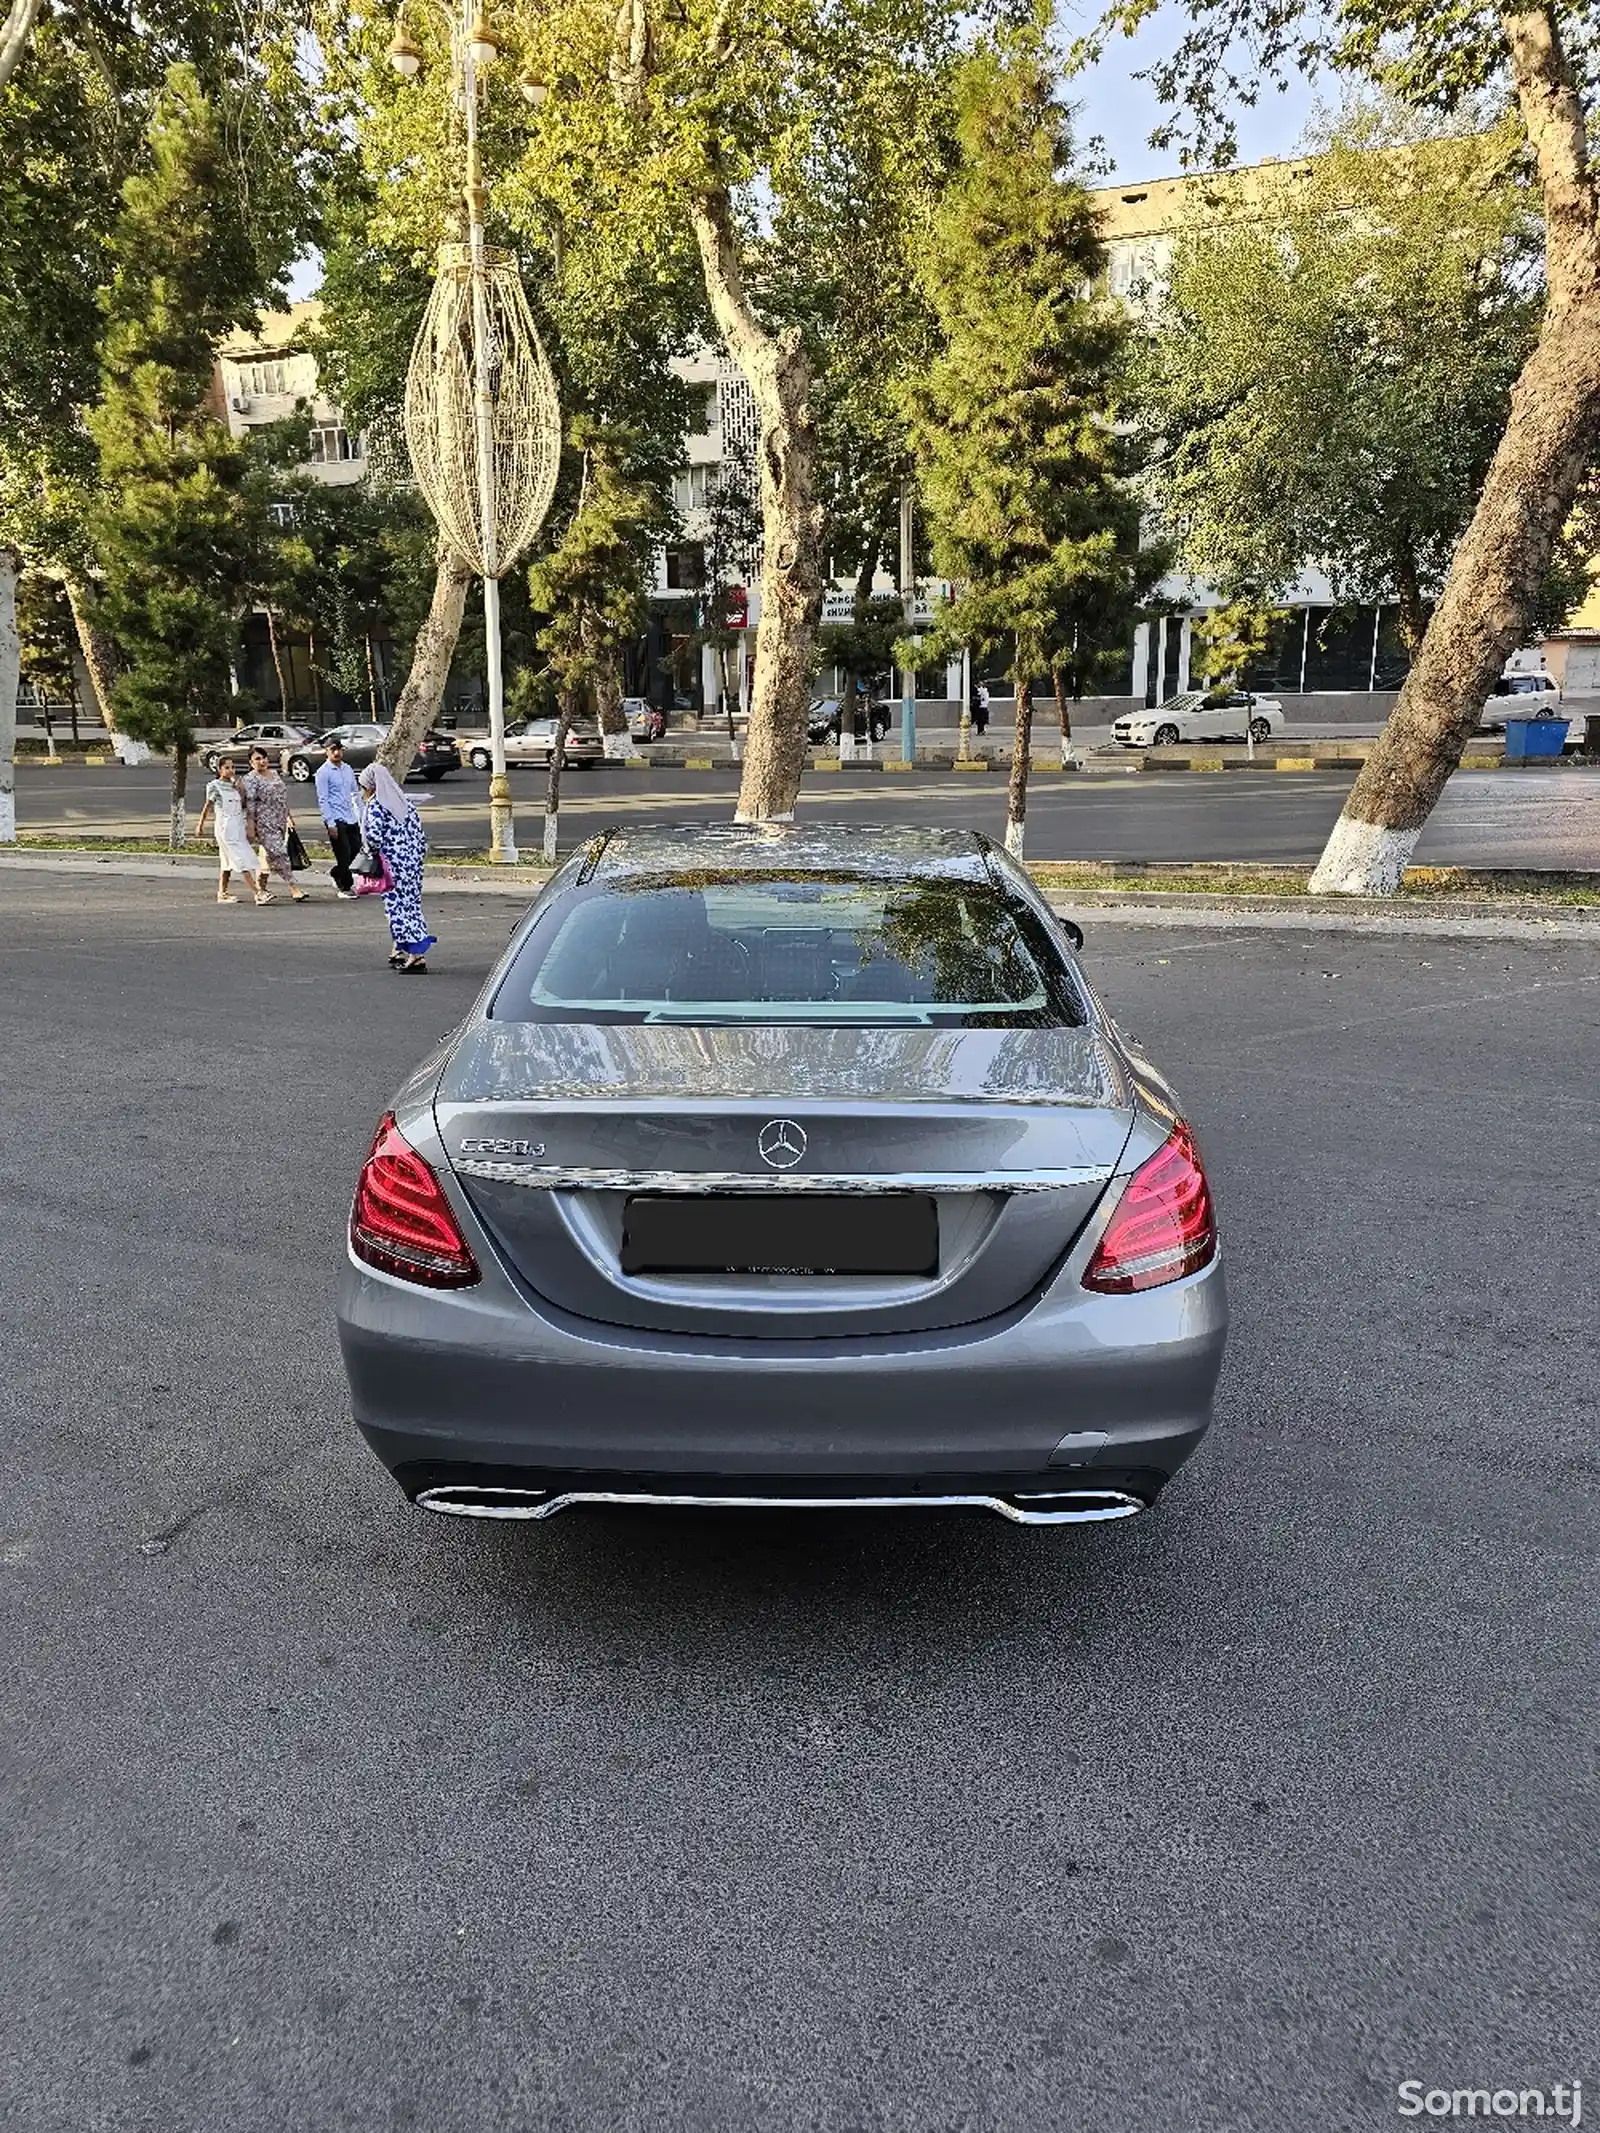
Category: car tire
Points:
column 432, row 777
column 880, row 728
column 1260, row 729
column 213, row 762
column 480, row 759
column 300, row 770
column 1165, row 737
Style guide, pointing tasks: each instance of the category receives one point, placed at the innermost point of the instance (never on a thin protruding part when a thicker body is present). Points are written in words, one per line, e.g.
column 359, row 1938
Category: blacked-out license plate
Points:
column 771, row 1233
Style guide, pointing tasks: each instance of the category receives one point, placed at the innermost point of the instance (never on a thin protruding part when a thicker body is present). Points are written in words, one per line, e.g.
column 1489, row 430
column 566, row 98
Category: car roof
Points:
column 891, row 850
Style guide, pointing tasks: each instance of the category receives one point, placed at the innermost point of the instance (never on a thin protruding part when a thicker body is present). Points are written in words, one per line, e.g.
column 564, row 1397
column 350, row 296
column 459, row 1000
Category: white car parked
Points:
column 1201, row 715
column 1520, row 696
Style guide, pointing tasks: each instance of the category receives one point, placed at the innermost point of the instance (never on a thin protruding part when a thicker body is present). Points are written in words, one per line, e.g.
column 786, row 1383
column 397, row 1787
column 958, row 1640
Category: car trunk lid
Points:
column 576, row 1145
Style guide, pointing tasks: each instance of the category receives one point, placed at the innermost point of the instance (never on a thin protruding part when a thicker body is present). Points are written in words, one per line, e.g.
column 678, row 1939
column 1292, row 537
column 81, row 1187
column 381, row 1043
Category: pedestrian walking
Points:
column 269, row 821
column 980, row 712
column 339, row 799
column 224, row 808
column 394, row 831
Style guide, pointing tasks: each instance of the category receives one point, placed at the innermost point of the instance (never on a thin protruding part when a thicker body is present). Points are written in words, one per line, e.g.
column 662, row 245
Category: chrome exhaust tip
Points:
column 1044, row 1507
column 469, row 1499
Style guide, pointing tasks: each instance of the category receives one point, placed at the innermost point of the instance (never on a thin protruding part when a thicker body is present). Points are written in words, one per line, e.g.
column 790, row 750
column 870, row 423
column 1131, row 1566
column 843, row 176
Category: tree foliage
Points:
column 1020, row 464
column 1327, row 380
column 174, row 531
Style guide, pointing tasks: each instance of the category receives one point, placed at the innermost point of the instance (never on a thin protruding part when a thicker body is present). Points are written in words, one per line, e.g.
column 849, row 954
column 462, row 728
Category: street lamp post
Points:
column 482, row 420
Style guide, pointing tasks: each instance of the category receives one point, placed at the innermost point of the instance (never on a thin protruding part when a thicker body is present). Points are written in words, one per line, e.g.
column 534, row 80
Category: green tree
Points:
column 692, row 114
column 173, row 524
column 592, row 583
column 862, row 649
column 1327, row 381
column 1018, row 458
column 1431, row 60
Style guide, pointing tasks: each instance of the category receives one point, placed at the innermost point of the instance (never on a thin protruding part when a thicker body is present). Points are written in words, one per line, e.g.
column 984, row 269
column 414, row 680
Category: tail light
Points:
column 401, row 1221
column 1164, row 1226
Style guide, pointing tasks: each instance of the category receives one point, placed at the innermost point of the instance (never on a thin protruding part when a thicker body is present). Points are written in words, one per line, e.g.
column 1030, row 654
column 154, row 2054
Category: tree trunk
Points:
column 10, row 678
column 1413, row 618
column 558, row 763
column 180, row 793
column 1487, row 605
column 376, row 708
column 1017, row 792
column 285, row 693
column 99, row 652
column 615, row 738
column 14, row 34
column 779, row 377
column 316, row 679
column 1063, row 715
column 430, row 664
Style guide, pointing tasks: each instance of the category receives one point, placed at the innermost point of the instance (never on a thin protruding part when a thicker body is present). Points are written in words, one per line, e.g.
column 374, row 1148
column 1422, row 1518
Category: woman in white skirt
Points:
column 225, row 801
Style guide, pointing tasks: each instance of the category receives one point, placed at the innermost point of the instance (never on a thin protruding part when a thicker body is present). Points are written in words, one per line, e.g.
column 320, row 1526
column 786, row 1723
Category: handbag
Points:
column 299, row 859
column 366, row 862
column 366, row 884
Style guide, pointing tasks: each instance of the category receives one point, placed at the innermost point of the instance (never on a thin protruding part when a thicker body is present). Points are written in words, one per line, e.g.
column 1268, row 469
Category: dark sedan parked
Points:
column 437, row 754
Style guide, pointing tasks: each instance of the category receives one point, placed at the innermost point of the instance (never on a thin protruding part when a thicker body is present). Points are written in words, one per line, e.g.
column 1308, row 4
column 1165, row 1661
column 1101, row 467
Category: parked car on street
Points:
column 1521, row 696
column 530, row 741
column 274, row 735
column 437, row 754
column 1201, row 715
column 797, row 1168
column 822, row 722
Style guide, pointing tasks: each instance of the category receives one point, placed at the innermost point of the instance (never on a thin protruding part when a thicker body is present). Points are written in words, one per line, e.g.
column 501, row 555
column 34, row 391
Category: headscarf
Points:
column 380, row 784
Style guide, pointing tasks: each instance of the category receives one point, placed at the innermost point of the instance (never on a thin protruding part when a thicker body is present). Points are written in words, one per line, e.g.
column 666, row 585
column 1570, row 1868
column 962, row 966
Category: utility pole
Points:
column 908, row 596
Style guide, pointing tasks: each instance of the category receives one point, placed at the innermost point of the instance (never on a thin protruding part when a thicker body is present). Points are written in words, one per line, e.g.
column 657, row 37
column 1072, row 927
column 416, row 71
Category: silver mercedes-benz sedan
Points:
column 785, row 1166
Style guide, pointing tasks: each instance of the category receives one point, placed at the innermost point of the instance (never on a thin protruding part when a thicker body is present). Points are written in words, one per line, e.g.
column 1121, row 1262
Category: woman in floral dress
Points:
column 266, row 803
column 394, row 829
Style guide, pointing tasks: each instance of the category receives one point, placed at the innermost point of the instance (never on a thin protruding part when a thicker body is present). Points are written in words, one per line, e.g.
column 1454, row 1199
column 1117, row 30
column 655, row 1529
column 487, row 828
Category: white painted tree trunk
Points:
column 10, row 677
column 1362, row 859
column 430, row 664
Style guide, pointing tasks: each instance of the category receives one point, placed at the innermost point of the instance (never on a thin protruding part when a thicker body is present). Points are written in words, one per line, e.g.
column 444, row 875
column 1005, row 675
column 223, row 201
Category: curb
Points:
column 1474, row 918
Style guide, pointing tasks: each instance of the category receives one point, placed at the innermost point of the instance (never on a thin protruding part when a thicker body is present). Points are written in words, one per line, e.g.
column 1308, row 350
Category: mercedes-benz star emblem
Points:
column 782, row 1143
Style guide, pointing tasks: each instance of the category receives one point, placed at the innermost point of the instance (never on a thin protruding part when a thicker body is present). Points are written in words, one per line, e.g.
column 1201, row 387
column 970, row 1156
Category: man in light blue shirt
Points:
column 338, row 799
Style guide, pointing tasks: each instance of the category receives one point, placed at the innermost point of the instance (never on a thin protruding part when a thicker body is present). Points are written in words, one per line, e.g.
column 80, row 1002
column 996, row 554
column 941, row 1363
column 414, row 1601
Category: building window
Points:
column 281, row 514
column 691, row 490
column 686, row 567
column 265, row 377
column 702, row 407
column 330, row 443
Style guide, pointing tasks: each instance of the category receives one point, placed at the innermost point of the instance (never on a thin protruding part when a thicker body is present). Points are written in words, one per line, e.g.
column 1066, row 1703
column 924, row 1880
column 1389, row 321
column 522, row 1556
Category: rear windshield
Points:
column 817, row 949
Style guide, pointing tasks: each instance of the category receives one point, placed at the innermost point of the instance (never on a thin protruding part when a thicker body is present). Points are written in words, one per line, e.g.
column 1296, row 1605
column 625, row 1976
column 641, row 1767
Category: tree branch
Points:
column 1553, row 115
column 14, row 38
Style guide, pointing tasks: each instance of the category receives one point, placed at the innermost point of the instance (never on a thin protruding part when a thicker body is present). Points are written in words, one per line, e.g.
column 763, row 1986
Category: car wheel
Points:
column 480, row 759
column 213, row 762
column 1260, row 729
column 1166, row 736
column 300, row 770
column 880, row 727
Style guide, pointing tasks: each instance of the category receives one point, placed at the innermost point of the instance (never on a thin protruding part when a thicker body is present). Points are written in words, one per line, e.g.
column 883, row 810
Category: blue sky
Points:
column 1123, row 111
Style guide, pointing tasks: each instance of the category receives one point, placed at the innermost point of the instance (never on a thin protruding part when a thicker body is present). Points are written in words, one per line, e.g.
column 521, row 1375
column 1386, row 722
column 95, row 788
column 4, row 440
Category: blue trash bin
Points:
column 1527, row 738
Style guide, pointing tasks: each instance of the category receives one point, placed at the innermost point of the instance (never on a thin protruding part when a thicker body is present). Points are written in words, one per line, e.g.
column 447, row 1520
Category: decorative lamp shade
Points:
column 441, row 414
column 404, row 56
column 534, row 90
column 484, row 43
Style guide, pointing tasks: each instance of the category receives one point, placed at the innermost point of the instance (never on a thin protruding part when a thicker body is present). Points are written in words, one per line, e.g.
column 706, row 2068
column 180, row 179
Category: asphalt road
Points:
column 323, row 1815
column 1510, row 819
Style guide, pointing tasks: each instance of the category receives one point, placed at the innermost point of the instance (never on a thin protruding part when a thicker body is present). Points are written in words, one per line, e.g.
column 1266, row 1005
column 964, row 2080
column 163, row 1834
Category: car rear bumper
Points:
column 479, row 1385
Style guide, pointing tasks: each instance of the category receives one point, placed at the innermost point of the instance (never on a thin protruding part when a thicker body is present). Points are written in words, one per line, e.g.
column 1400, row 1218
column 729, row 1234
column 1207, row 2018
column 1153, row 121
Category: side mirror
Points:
column 1073, row 931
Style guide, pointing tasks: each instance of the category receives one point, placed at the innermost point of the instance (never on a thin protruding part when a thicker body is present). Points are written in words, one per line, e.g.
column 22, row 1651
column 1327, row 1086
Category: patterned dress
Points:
column 404, row 844
column 266, row 801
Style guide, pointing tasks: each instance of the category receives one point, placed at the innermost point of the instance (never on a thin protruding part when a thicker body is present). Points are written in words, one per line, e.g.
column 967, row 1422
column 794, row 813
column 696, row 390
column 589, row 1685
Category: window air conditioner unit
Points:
column 241, row 403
